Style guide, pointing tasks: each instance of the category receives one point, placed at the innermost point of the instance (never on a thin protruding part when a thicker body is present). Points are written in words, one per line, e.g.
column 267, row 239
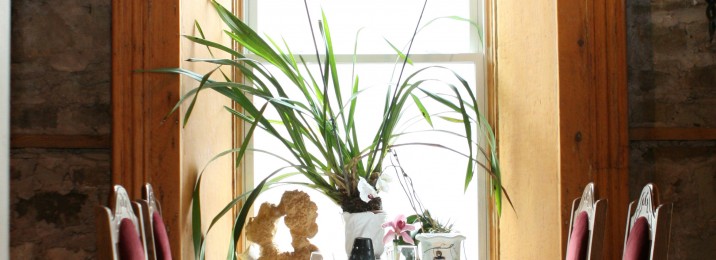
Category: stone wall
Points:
column 53, row 196
column 685, row 174
column 672, row 83
column 60, row 85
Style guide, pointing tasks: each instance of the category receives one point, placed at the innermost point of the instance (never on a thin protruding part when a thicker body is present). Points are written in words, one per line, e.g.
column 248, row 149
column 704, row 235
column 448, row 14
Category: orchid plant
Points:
column 429, row 224
column 398, row 229
column 367, row 192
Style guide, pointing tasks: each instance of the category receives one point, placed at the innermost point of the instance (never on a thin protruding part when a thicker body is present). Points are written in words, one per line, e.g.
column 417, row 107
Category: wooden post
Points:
column 561, row 100
column 148, row 143
column 593, row 110
column 145, row 145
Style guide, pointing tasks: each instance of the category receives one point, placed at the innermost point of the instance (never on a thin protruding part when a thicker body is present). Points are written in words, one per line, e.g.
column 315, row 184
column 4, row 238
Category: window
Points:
column 438, row 174
column 136, row 135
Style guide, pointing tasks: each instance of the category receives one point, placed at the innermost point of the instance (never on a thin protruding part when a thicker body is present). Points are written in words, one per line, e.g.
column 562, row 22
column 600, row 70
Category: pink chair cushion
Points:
column 161, row 240
column 130, row 244
column 638, row 246
column 578, row 241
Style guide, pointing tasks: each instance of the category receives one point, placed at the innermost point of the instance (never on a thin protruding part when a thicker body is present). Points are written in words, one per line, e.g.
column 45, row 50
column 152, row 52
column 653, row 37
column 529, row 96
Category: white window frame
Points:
column 4, row 130
column 477, row 57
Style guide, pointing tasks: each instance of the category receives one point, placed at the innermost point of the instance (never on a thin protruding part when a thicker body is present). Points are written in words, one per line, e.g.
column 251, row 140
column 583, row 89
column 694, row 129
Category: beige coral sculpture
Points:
column 299, row 214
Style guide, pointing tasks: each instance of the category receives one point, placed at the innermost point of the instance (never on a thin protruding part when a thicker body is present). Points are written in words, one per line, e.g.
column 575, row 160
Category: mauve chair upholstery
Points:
column 638, row 246
column 578, row 242
column 161, row 240
column 130, row 244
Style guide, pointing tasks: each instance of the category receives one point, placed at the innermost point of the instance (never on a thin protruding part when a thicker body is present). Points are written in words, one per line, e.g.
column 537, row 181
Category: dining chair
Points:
column 648, row 227
column 119, row 233
column 586, row 232
column 155, row 231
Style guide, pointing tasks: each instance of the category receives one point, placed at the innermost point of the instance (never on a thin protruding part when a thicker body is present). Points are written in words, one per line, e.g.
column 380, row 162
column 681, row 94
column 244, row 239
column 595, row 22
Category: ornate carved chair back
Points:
column 155, row 231
column 586, row 232
column 656, row 221
column 119, row 230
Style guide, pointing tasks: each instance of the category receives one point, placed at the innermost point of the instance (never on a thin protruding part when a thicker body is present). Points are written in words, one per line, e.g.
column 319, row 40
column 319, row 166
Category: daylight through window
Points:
column 438, row 174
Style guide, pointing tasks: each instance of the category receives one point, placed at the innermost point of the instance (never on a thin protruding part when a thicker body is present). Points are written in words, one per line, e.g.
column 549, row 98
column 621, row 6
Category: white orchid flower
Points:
column 382, row 183
column 367, row 192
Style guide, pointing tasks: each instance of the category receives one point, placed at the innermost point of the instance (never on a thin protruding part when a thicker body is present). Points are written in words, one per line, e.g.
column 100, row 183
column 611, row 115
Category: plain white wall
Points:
column 4, row 128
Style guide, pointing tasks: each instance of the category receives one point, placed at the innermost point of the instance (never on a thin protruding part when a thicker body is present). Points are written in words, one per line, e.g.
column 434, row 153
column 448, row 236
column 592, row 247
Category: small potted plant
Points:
column 435, row 239
column 398, row 233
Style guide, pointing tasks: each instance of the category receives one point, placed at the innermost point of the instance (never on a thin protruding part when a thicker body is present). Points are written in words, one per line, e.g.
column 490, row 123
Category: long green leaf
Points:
column 243, row 213
column 196, row 96
column 422, row 109
column 458, row 18
column 241, row 218
column 401, row 55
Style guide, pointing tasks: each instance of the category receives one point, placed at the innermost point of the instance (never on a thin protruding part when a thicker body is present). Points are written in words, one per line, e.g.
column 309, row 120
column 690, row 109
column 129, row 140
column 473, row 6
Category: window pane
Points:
column 395, row 20
column 438, row 174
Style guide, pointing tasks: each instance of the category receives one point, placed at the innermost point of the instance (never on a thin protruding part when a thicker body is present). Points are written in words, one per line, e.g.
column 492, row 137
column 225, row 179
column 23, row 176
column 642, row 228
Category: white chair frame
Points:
column 596, row 212
column 657, row 217
column 149, row 205
column 108, row 220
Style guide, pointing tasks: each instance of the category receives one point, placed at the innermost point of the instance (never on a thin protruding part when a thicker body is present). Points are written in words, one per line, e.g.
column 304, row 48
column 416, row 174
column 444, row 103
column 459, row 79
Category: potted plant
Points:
column 434, row 238
column 317, row 127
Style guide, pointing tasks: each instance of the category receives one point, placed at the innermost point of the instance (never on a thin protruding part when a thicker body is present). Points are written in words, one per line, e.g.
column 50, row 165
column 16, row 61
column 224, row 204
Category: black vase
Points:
column 362, row 249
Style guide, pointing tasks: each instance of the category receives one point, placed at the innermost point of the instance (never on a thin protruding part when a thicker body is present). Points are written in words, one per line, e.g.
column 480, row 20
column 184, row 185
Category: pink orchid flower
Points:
column 398, row 227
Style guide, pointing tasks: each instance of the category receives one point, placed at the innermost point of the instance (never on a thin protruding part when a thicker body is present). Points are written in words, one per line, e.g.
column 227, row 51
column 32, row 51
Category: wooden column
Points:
column 559, row 86
column 208, row 133
column 593, row 111
column 148, row 145
column 528, row 111
column 145, row 146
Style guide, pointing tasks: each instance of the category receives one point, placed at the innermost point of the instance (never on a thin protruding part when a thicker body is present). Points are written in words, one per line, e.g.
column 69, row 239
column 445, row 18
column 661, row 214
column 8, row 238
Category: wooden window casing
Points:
column 145, row 147
column 559, row 91
column 150, row 146
column 579, row 97
column 593, row 110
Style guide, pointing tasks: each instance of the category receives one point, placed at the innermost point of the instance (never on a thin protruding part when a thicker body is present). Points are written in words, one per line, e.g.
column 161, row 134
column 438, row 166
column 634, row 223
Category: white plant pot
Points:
column 364, row 224
column 440, row 245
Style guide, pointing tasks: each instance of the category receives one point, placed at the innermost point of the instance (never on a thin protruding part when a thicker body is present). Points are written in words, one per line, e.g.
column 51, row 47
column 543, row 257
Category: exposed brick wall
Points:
column 672, row 83
column 684, row 173
column 53, row 197
column 60, row 67
column 671, row 64
column 60, row 85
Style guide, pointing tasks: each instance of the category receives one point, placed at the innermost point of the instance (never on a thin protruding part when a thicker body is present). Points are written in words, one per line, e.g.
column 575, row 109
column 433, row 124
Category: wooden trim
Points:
column 238, row 128
column 593, row 109
column 491, row 63
column 492, row 113
column 613, row 144
column 528, row 99
column 588, row 104
column 143, row 38
column 672, row 134
column 145, row 145
column 18, row 141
